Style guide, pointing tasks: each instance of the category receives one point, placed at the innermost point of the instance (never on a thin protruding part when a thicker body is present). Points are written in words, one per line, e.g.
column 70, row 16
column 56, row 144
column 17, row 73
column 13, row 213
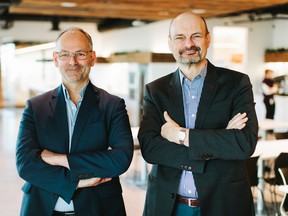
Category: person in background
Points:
column 74, row 141
column 269, row 89
column 197, row 129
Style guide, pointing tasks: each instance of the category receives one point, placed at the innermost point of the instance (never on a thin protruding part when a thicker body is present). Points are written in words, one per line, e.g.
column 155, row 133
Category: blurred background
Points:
column 130, row 40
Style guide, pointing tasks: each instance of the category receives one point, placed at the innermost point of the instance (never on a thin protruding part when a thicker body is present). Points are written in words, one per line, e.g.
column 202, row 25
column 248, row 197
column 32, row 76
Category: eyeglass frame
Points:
column 73, row 54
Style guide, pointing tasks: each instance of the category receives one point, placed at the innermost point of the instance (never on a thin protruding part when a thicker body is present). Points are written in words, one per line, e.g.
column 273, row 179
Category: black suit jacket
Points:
column 102, row 146
column 215, row 155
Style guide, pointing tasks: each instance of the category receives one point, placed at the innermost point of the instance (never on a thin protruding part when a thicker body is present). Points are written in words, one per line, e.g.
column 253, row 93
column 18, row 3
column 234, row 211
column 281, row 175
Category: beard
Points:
column 75, row 73
column 191, row 58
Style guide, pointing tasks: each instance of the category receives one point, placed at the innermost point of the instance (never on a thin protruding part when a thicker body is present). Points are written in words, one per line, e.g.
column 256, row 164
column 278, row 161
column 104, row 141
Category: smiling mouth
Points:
column 190, row 51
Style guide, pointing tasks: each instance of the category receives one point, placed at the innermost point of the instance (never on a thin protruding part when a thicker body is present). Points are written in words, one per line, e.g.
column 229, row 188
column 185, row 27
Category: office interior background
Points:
column 238, row 42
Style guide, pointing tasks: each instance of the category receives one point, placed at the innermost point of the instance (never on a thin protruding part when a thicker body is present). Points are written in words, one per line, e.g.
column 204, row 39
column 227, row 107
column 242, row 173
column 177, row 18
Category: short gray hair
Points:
column 72, row 29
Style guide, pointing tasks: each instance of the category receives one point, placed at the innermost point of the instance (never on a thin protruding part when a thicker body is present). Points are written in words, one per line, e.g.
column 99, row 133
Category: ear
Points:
column 208, row 40
column 93, row 58
column 55, row 57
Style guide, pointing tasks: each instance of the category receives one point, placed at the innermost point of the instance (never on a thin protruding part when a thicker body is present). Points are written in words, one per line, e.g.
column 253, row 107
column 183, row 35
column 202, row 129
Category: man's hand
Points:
column 54, row 159
column 238, row 121
column 92, row 182
column 171, row 129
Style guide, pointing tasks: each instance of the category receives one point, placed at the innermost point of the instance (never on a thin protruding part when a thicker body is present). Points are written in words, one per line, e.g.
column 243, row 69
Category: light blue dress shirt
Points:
column 72, row 112
column 191, row 91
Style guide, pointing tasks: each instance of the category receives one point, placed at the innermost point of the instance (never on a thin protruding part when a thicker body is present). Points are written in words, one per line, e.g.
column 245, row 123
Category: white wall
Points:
column 280, row 32
column 152, row 37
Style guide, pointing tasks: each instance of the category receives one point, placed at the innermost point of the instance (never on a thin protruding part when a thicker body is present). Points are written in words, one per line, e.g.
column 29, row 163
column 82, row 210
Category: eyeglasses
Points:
column 65, row 56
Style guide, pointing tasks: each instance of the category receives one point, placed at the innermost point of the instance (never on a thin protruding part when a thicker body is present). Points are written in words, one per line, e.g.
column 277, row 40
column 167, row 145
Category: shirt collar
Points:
column 202, row 74
column 82, row 91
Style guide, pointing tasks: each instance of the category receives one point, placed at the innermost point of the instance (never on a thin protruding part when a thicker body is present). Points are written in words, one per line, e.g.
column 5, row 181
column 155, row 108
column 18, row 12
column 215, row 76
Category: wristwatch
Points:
column 181, row 136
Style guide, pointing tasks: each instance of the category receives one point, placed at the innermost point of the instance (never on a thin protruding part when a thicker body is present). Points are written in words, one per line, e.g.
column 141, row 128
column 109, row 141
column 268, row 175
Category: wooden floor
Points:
column 10, row 183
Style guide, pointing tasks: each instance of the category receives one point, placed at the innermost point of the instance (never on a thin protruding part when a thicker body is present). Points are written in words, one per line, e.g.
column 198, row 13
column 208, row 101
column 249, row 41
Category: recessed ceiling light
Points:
column 68, row 4
column 199, row 11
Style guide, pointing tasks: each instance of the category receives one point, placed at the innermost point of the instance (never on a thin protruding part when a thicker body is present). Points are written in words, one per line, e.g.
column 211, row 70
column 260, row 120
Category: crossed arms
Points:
column 56, row 159
column 170, row 129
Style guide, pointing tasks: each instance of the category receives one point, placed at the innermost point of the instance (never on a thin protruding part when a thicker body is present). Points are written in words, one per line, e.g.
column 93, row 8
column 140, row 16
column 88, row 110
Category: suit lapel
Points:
column 87, row 107
column 175, row 94
column 208, row 92
column 58, row 107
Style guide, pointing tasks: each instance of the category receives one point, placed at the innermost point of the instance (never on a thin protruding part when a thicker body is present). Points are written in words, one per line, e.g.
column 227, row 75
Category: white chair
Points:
column 284, row 188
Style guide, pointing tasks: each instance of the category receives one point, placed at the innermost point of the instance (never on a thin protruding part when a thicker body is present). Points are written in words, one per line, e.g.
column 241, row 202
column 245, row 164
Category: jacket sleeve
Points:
column 114, row 153
column 30, row 166
column 155, row 149
column 212, row 140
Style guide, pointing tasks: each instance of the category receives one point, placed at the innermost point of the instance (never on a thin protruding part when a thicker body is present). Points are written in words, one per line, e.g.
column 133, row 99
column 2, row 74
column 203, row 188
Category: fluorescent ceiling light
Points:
column 35, row 48
column 199, row 11
column 68, row 4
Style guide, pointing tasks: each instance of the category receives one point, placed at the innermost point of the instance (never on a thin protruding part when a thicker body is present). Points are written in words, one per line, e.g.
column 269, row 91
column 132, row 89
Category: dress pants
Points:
column 181, row 209
column 270, row 108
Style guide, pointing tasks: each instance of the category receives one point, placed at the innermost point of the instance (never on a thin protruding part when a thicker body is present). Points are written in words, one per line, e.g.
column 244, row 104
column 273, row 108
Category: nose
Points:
column 73, row 60
column 189, row 42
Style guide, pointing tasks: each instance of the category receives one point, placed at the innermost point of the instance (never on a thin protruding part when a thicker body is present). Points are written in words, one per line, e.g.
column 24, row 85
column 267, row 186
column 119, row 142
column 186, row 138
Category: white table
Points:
column 267, row 149
column 270, row 124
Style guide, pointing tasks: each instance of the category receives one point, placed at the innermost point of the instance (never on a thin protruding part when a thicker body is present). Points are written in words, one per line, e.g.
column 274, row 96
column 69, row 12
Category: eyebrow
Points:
column 181, row 34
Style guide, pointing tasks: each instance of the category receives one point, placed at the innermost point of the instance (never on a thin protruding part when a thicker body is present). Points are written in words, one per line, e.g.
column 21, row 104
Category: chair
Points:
column 284, row 204
column 280, row 162
column 252, row 169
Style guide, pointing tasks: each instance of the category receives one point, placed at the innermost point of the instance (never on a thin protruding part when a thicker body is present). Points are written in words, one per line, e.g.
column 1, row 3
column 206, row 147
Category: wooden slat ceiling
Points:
column 149, row 10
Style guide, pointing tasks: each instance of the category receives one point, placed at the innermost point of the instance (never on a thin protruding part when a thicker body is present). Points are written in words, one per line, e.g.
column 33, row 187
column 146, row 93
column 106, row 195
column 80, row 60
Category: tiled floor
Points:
column 10, row 183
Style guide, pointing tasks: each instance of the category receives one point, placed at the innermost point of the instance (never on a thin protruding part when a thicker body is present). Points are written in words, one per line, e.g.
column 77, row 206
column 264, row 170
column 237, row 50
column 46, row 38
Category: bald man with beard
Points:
column 197, row 129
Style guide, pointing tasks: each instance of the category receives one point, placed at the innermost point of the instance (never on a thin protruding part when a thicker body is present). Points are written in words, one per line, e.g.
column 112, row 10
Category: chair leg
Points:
column 265, row 206
column 282, row 210
column 275, row 201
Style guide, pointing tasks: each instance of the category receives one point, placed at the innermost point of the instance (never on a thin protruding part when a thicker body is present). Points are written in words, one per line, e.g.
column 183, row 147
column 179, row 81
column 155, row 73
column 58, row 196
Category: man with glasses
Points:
column 74, row 141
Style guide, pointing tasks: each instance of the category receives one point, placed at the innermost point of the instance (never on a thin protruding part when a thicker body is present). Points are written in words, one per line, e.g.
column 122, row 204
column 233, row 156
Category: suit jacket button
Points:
column 172, row 195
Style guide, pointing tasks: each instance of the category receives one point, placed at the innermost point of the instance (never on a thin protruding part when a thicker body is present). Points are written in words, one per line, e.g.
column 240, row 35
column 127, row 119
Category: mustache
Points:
column 74, row 67
column 192, row 48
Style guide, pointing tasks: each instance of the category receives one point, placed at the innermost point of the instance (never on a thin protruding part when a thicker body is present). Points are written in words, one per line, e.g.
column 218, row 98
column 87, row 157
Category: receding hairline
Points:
column 76, row 29
column 204, row 21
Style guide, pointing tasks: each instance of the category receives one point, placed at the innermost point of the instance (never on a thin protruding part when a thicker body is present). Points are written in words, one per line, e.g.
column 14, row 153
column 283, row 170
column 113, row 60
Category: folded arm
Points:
column 56, row 159
column 170, row 129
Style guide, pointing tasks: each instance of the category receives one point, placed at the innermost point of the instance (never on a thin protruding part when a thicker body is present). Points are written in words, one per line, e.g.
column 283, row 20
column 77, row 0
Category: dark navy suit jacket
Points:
column 102, row 146
column 215, row 156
